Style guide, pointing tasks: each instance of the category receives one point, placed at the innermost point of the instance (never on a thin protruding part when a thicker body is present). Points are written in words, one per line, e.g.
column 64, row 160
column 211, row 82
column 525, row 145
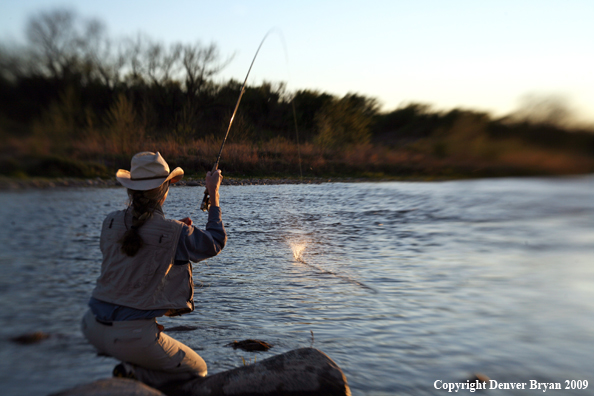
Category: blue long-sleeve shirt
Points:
column 194, row 245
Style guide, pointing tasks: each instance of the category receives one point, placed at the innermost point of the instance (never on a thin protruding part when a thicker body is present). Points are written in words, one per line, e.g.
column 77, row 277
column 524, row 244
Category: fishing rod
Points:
column 206, row 200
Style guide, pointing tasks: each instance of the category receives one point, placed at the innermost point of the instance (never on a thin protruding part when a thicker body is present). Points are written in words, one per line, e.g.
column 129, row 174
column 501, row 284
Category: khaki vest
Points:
column 150, row 280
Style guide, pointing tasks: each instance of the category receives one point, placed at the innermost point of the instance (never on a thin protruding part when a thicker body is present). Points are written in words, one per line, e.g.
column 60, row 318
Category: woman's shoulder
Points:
column 161, row 222
column 114, row 214
column 175, row 223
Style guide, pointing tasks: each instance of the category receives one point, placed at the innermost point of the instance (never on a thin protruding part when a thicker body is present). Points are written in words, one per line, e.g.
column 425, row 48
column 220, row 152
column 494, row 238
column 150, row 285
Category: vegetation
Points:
column 75, row 102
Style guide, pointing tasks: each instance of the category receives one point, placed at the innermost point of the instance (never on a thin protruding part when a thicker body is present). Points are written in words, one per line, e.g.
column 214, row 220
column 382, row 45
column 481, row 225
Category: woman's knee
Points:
column 90, row 331
column 184, row 357
column 195, row 364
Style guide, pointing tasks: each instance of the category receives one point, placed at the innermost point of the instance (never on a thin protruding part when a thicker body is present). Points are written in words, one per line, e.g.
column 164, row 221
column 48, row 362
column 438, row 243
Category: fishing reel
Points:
column 205, row 201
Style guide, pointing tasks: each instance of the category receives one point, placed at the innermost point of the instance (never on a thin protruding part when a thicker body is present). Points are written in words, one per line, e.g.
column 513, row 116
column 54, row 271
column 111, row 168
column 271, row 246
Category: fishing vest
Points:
column 150, row 280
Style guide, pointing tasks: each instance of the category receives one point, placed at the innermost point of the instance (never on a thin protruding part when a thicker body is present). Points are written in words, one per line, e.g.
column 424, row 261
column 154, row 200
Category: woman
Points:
column 146, row 273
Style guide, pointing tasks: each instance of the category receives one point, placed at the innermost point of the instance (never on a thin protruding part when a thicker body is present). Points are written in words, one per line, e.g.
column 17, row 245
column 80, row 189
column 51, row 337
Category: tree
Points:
column 162, row 62
column 65, row 47
column 307, row 104
column 199, row 65
column 100, row 61
column 552, row 110
column 57, row 40
column 346, row 121
column 13, row 64
column 52, row 37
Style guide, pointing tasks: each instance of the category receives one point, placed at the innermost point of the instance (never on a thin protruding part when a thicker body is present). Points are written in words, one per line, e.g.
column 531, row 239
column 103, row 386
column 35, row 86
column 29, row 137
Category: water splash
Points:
column 298, row 248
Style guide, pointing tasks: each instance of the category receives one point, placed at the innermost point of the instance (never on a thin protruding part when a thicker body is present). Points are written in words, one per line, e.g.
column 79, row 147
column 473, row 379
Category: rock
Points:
column 111, row 387
column 305, row 371
column 479, row 377
column 31, row 338
column 181, row 328
column 250, row 345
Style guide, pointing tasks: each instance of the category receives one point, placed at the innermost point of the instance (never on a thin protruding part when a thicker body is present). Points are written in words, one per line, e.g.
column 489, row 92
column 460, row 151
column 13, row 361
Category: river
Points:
column 402, row 284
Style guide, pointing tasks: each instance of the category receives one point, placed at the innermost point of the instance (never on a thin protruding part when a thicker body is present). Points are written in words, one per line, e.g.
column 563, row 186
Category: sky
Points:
column 474, row 54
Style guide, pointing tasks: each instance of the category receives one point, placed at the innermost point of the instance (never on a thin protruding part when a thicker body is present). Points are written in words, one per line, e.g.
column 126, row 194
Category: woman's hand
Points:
column 187, row 221
column 213, row 181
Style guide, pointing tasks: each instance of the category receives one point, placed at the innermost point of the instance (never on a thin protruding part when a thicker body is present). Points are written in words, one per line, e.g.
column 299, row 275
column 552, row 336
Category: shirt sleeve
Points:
column 196, row 244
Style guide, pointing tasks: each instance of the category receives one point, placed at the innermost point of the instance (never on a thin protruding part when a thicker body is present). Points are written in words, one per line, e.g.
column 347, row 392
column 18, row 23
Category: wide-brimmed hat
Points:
column 147, row 171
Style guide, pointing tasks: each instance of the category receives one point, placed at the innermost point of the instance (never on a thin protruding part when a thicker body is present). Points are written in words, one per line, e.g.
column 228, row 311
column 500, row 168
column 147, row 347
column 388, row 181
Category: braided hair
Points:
column 143, row 205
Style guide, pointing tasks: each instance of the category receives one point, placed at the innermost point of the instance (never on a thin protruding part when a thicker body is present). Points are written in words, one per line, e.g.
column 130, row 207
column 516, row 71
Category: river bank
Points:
column 10, row 184
column 42, row 183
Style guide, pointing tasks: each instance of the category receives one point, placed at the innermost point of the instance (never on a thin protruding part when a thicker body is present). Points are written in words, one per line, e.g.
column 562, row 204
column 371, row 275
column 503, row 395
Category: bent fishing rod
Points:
column 206, row 200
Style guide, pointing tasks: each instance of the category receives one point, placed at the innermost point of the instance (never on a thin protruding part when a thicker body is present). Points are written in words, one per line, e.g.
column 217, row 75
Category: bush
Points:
column 54, row 166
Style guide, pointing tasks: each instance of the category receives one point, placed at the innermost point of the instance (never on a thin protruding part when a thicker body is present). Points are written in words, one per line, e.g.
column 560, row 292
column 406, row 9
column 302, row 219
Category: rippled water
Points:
column 402, row 284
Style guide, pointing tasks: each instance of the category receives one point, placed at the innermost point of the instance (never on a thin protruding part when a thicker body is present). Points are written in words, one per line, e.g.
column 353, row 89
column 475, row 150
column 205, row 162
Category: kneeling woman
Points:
column 146, row 273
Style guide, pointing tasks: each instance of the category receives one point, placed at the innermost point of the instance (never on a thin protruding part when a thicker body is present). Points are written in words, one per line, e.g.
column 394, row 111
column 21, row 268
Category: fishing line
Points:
column 297, row 134
column 283, row 42
column 297, row 254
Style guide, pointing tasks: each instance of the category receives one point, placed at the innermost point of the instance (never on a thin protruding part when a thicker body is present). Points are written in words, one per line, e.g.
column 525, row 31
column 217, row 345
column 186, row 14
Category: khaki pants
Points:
column 156, row 357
